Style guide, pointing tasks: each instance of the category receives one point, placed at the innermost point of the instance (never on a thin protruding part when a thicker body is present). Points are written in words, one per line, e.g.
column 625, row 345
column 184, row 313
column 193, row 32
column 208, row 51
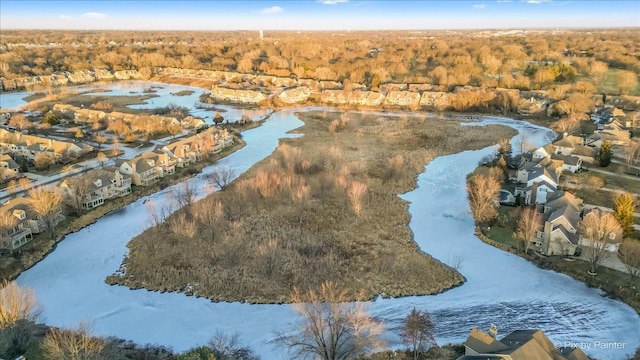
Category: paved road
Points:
column 625, row 176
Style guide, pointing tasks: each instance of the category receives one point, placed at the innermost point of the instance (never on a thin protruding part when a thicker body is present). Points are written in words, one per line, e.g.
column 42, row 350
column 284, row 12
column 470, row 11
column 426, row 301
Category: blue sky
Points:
column 316, row 15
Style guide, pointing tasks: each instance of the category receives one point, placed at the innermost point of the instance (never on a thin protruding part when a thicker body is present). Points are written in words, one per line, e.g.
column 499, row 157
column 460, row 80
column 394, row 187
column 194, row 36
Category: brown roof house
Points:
column 22, row 223
column 518, row 345
column 237, row 95
column 295, row 95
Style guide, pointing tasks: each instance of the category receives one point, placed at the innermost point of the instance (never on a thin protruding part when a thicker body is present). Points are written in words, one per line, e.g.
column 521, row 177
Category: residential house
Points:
column 103, row 74
column 518, row 345
column 561, row 217
column 29, row 145
column 568, row 162
column 540, row 181
column 612, row 244
column 192, row 123
column 335, row 97
column 311, row 83
column 9, row 169
column 237, row 95
column 59, row 80
column 385, row 88
column 80, row 77
column 127, row 74
column 189, row 150
column 330, row 84
column 543, row 152
column 435, row 99
column 532, row 102
column 366, row 98
column 279, row 81
column 421, row 87
column 147, row 168
column 8, row 84
column 612, row 132
column 93, row 187
column 560, row 233
column 295, row 95
column 25, row 225
column 402, row 98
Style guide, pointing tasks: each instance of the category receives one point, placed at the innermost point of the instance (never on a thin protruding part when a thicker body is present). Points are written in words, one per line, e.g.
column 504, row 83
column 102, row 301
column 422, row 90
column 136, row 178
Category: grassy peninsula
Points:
column 322, row 207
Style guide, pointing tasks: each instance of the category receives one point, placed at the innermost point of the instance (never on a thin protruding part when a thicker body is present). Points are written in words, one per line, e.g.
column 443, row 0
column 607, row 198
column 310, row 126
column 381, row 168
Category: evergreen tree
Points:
column 623, row 212
column 604, row 154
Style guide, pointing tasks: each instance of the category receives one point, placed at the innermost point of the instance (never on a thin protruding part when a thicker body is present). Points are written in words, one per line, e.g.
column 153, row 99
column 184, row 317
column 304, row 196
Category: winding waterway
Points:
column 501, row 288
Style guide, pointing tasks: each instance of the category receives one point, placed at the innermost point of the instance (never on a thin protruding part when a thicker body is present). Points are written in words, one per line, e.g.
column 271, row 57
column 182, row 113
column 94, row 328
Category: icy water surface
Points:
column 501, row 288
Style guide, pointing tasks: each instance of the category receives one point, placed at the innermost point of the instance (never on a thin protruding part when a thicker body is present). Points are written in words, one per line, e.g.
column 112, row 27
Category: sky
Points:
column 317, row 15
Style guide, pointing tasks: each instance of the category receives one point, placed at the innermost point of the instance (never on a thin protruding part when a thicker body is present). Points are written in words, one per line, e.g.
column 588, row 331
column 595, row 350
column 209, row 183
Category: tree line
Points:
column 539, row 60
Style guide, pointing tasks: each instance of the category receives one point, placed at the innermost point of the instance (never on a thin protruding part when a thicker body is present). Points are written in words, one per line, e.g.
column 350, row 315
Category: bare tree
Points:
column 43, row 161
column 228, row 347
column 78, row 189
column 115, row 148
column 174, row 129
column 20, row 121
column 70, row 344
column 100, row 139
column 331, row 328
column 566, row 126
column 528, row 226
column 631, row 153
column 157, row 215
column 630, row 255
column 185, row 195
column 599, row 230
column 483, row 198
column 222, row 177
column 417, row 332
column 17, row 303
column 102, row 159
column 47, row 204
column 355, row 193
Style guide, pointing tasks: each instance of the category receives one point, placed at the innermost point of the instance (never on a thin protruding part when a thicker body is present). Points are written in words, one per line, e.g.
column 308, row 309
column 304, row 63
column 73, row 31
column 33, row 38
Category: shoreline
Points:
column 80, row 222
column 454, row 278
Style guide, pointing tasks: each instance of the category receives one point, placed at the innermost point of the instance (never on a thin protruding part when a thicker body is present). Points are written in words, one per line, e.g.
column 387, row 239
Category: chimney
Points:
column 493, row 331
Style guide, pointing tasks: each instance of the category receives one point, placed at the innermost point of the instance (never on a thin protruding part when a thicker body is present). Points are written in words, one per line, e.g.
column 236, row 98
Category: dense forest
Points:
column 605, row 61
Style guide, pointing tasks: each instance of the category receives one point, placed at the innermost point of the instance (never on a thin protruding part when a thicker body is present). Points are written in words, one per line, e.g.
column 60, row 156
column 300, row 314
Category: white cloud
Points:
column 332, row 2
column 64, row 17
column 271, row 10
column 537, row 1
column 479, row 6
column 94, row 15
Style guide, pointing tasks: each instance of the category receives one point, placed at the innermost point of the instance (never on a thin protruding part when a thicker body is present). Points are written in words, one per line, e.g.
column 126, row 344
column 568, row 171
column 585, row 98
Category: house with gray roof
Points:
column 23, row 223
column 92, row 188
column 518, row 345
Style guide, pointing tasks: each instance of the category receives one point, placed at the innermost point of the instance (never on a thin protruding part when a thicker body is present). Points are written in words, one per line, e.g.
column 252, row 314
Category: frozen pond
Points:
column 502, row 288
column 165, row 97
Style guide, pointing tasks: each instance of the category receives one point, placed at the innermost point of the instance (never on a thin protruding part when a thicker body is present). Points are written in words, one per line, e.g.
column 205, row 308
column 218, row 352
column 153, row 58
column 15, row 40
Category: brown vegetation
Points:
column 540, row 60
column 290, row 220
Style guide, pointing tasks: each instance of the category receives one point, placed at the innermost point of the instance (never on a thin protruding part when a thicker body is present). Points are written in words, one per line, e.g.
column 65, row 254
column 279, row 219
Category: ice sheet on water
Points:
column 502, row 289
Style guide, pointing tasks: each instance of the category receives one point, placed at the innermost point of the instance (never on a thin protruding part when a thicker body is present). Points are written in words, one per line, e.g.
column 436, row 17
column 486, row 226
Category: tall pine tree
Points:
column 623, row 212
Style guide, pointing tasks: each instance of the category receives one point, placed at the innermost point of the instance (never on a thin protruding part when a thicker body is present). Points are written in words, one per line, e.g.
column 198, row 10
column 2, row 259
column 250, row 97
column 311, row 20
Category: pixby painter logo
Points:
column 591, row 345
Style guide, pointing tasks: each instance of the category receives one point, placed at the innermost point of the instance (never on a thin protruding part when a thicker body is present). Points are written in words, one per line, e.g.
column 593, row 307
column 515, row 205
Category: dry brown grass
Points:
column 290, row 220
